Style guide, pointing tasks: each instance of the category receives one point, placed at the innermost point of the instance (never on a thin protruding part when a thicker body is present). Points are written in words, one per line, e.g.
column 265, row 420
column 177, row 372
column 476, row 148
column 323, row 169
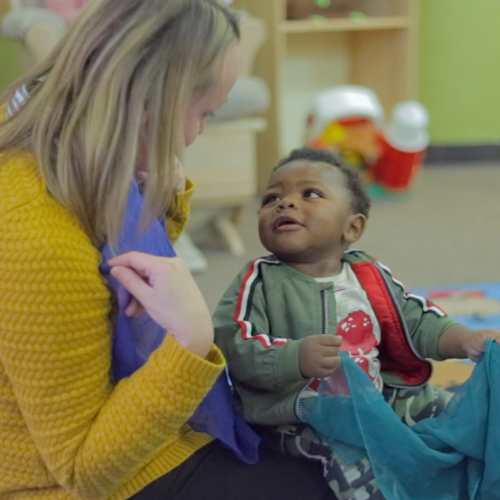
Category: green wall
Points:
column 460, row 70
column 10, row 66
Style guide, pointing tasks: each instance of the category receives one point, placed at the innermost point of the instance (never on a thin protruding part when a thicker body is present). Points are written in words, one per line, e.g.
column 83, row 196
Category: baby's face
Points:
column 304, row 211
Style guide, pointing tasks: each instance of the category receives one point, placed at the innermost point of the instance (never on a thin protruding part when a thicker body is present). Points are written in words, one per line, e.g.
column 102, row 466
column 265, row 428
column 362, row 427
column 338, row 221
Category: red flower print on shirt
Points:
column 357, row 333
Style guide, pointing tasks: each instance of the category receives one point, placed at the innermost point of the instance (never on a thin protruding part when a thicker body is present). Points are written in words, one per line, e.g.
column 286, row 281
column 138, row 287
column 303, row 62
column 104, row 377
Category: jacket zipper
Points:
column 326, row 329
column 406, row 331
column 297, row 406
column 326, row 315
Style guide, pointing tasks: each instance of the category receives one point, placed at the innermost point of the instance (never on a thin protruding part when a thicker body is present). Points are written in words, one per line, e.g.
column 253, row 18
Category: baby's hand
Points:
column 474, row 343
column 319, row 355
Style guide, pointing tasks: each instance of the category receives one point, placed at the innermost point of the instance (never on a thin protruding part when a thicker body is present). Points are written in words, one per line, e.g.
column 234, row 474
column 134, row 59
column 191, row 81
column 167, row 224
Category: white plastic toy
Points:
column 349, row 119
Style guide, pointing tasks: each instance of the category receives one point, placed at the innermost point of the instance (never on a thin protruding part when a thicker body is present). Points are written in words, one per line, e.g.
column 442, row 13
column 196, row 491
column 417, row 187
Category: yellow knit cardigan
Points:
column 66, row 431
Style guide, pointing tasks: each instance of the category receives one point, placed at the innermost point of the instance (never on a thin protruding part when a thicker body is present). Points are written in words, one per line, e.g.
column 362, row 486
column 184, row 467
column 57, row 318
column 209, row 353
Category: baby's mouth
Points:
column 286, row 222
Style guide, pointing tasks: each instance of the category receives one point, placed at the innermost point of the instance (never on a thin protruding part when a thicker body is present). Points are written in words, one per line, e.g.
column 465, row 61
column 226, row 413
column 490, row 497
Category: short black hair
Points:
column 360, row 201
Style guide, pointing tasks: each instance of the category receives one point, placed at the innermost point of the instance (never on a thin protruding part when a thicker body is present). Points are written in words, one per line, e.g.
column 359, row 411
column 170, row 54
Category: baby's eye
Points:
column 270, row 198
column 312, row 193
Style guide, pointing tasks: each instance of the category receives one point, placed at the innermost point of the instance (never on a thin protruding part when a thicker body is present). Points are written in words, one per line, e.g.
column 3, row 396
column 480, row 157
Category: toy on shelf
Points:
column 303, row 9
column 349, row 120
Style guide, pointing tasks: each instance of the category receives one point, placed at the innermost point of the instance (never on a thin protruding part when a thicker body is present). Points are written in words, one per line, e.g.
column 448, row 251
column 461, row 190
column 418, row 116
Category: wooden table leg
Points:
column 226, row 225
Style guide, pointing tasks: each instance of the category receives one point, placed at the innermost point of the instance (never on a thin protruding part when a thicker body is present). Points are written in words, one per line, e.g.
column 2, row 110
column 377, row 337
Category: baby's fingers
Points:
column 331, row 363
column 330, row 340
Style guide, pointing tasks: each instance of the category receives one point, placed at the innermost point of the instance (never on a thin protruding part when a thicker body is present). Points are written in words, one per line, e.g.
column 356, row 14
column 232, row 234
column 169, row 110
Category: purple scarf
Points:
column 136, row 338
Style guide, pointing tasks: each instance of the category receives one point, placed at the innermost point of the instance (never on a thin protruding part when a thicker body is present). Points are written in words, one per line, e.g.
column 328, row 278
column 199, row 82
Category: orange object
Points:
column 350, row 136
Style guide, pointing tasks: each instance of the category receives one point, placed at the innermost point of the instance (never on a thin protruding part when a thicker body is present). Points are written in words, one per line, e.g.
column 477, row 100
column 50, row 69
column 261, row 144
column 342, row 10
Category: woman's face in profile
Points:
column 203, row 106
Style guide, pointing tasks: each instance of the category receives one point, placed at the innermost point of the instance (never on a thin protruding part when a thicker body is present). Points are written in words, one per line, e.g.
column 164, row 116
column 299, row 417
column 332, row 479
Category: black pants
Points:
column 214, row 473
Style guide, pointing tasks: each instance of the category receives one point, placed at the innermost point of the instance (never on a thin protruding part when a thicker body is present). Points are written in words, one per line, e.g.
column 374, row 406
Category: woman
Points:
column 129, row 87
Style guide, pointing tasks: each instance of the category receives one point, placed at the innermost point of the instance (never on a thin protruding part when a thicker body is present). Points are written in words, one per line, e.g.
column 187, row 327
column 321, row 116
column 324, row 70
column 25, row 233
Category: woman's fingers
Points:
column 134, row 309
column 132, row 282
column 139, row 262
column 165, row 288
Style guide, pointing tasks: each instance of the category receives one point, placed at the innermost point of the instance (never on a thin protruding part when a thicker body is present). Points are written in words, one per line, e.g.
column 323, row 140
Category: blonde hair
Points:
column 124, row 74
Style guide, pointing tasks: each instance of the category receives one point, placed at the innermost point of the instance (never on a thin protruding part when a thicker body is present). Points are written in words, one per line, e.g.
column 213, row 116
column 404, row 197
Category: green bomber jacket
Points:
column 269, row 308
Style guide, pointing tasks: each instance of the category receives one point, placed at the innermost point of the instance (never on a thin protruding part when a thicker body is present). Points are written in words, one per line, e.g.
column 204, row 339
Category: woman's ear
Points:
column 355, row 227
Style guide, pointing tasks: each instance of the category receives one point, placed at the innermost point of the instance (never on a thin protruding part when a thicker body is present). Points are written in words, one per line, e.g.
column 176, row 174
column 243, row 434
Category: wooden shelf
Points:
column 345, row 24
column 306, row 56
column 231, row 126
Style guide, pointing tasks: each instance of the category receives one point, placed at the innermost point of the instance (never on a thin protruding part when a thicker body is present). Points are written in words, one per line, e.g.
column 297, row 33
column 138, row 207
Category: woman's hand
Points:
column 165, row 288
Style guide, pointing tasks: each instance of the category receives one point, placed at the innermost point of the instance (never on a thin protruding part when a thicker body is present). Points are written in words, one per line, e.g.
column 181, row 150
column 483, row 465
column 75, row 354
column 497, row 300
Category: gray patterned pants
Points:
column 356, row 481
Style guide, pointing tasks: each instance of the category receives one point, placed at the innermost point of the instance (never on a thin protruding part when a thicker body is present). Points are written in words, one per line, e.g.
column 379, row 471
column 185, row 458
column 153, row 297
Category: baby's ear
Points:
column 354, row 229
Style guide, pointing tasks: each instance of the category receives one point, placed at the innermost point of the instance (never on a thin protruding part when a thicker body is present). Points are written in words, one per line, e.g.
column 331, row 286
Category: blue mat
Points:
column 476, row 305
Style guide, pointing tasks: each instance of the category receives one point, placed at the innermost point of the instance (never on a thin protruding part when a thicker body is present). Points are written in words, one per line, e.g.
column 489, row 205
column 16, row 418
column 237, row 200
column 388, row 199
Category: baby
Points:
column 285, row 317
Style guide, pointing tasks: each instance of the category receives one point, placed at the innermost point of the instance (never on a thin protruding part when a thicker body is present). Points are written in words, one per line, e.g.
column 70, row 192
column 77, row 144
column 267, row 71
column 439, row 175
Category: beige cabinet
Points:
column 222, row 163
column 301, row 57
